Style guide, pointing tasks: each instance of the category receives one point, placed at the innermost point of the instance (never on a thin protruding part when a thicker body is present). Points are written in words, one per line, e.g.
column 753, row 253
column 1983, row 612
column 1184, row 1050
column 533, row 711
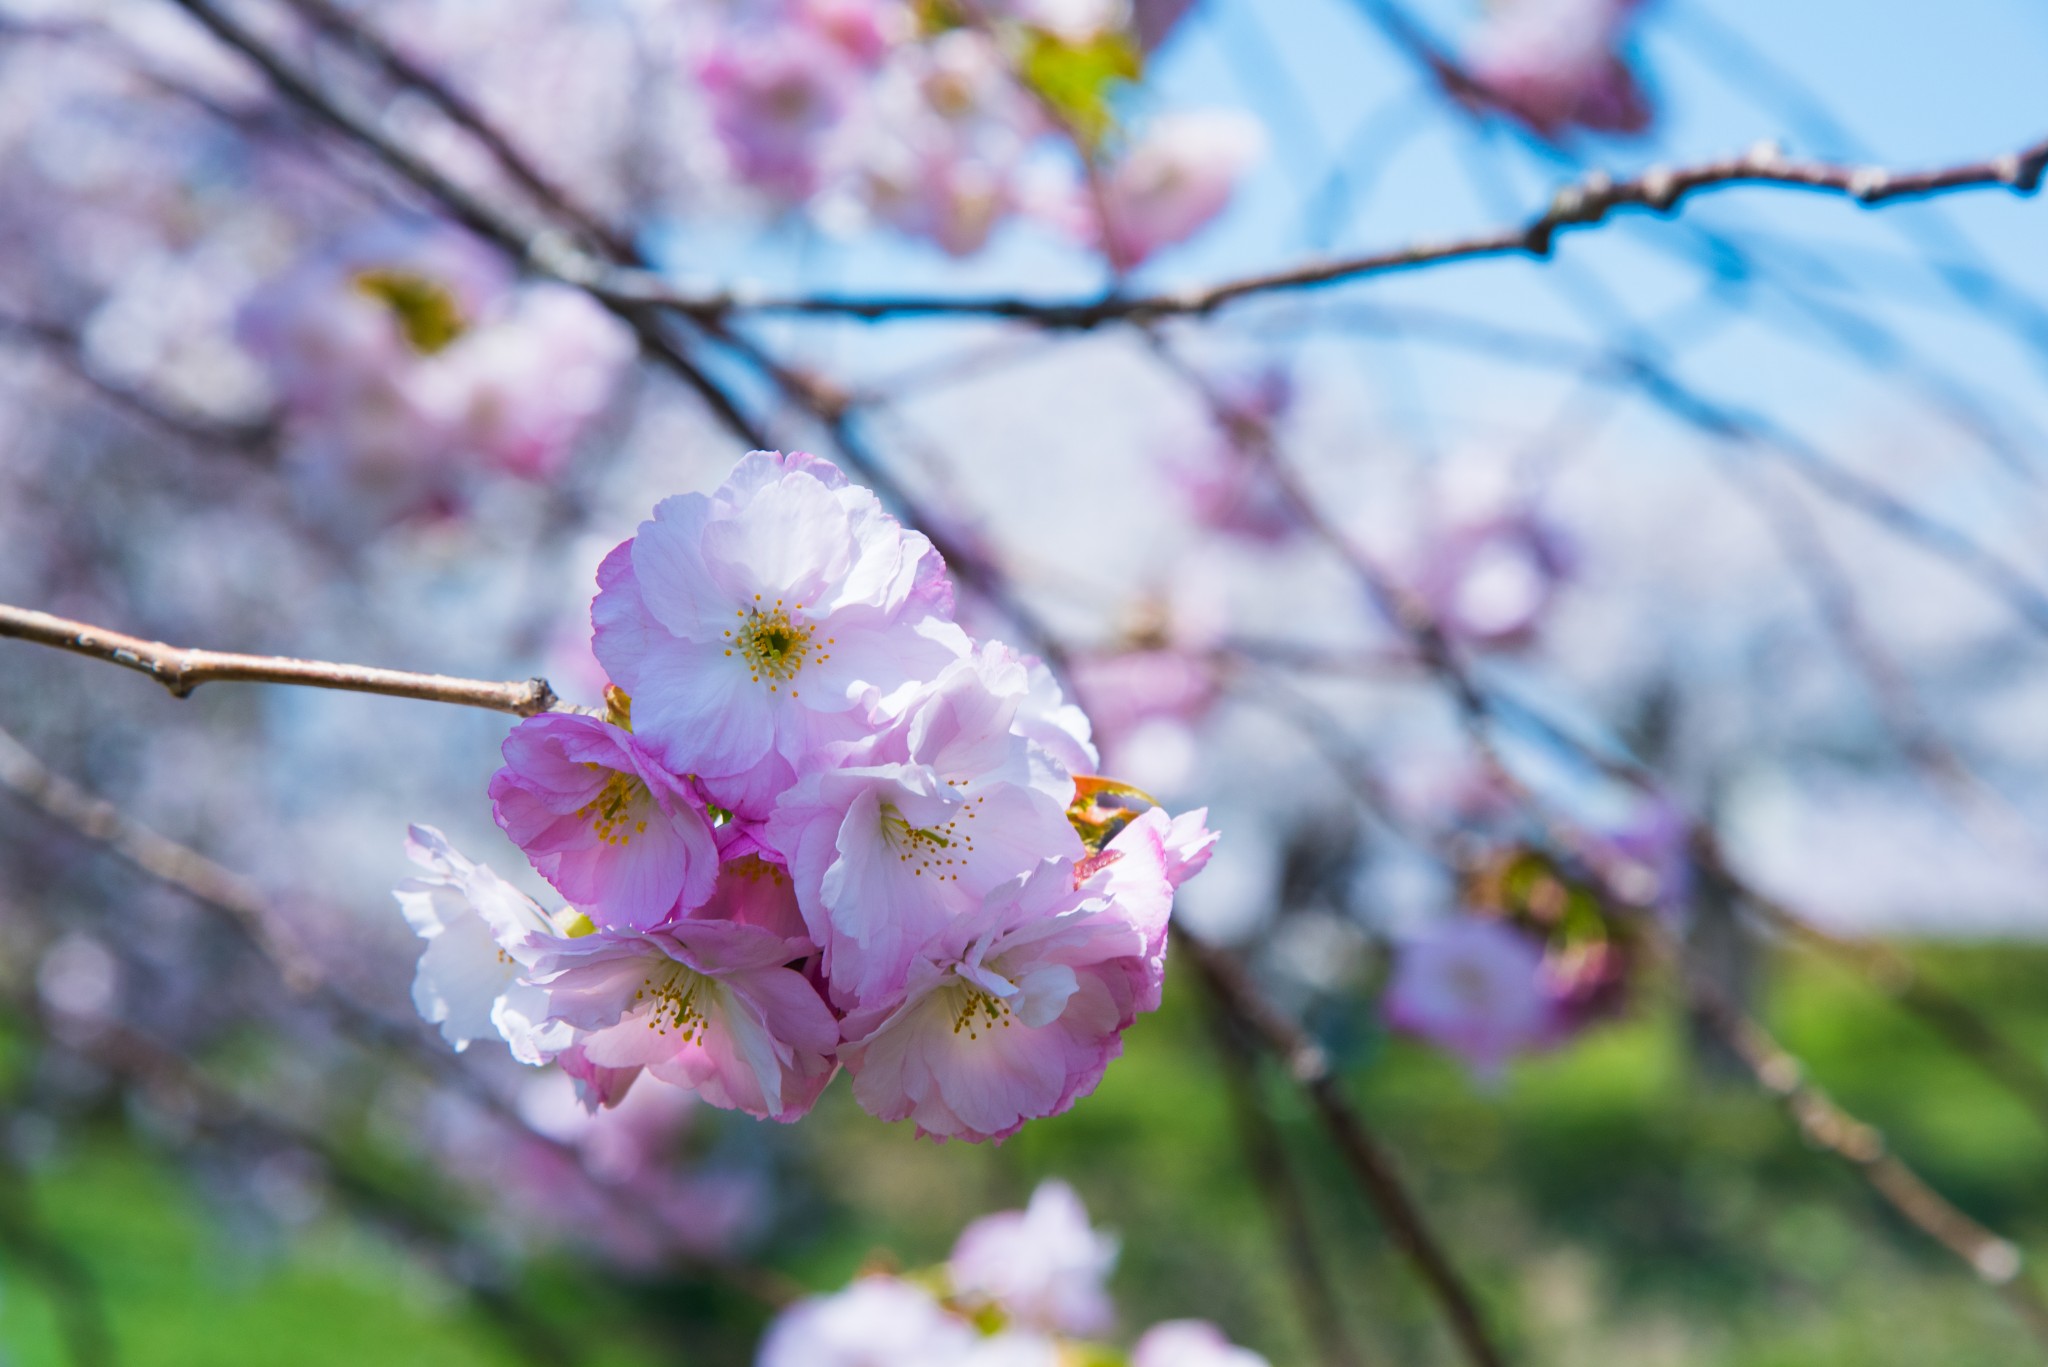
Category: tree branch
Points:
column 1310, row 1069
column 1995, row 1261
column 182, row 669
column 1265, row 1153
column 1583, row 204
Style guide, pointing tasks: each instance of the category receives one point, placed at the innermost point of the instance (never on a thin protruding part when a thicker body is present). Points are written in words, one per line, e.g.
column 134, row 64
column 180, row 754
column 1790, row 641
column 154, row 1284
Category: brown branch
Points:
column 1995, row 1261
column 208, row 883
column 338, row 23
column 1309, row 1067
column 629, row 287
column 63, row 346
column 1584, row 204
column 182, row 669
column 1265, row 1153
column 75, row 1294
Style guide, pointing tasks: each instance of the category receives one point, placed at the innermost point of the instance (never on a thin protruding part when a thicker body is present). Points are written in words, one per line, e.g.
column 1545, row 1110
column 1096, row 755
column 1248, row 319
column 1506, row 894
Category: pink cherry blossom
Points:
column 482, row 936
column 1555, row 65
column 1475, row 987
column 535, row 377
column 1227, row 482
column 876, row 1322
column 774, row 97
column 708, row 1005
column 1190, row 1343
column 1176, row 177
column 748, row 624
column 1490, row 582
column 924, row 818
column 951, row 127
column 865, row 30
column 1013, row 1011
column 615, row 833
column 1044, row 1267
column 407, row 359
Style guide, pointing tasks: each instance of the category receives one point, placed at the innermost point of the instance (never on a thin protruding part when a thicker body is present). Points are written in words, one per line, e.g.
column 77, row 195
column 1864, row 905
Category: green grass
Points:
column 1622, row 1201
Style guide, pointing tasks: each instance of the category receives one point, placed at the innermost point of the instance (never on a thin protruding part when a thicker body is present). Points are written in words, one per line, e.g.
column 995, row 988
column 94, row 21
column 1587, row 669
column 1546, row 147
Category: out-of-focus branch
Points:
column 80, row 1309
column 143, row 1064
column 182, row 669
column 1994, row 1260
column 1265, row 1152
column 63, row 346
column 1309, row 1067
column 552, row 253
column 465, row 113
column 212, row 885
column 163, row 859
column 1584, row 204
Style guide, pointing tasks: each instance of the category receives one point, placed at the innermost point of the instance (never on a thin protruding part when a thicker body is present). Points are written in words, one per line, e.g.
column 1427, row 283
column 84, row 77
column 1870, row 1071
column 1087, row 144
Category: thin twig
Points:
column 1995, row 1261
column 182, row 669
column 74, row 1292
column 211, row 885
column 1310, row 1069
column 146, row 1065
column 1265, row 1153
column 1584, row 204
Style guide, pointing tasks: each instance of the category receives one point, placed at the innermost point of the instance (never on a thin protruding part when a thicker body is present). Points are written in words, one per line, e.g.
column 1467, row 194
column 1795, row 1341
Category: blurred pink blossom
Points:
column 1044, row 1267
column 1190, row 1343
column 1475, row 987
column 875, row 1322
column 1172, row 180
column 1556, row 65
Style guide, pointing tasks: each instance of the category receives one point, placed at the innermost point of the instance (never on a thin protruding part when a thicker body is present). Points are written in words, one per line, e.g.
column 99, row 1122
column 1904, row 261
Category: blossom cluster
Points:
column 405, row 358
column 820, row 827
column 1538, row 956
column 909, row 116
column 1023, row 1288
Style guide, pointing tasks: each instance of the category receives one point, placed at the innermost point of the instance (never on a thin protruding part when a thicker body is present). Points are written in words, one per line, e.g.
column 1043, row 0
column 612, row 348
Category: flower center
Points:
column 674, row 1007
column 938, row 848
column 619, row 811
column 774, row 643
column 426, row 310
column 980, row 1012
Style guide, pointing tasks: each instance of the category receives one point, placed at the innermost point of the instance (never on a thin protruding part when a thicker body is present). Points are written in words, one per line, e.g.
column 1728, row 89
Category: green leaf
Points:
column 1079, row 80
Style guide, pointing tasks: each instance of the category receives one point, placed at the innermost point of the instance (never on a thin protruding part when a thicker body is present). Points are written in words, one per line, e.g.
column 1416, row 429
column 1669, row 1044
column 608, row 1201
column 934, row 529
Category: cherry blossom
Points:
column 1175, row 177
column 482, row 936
column 921, row 821
column 743, row 621
column 1475, row 987
column 875, row 1322
column 708, row 1005
column 1014, row 1011
column 1554, row 65
column 1043, row 1267
column 1190, row 1343
column 615, row 833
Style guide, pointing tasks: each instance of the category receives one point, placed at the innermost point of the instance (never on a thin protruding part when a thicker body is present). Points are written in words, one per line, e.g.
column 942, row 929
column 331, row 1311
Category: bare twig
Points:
column 212, row 885
column 1265, row 1152
column 63, row 346
column 465, row 113
column 1995, row 1261
column 74, row 1292
column 145, row 1065
column 1584, row 204
column 182, row 669
column 1310, row 1069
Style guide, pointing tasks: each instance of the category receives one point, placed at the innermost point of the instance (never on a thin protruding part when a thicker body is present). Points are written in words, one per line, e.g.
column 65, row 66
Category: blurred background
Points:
column 1731, row 517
